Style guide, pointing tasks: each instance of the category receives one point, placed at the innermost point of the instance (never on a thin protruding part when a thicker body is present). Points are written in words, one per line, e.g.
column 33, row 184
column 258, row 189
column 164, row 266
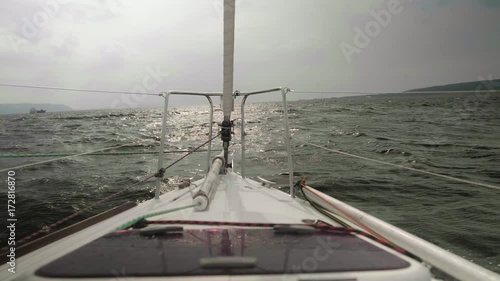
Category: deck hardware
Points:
column 265, row 183
column 161, row 231
column 233, row 262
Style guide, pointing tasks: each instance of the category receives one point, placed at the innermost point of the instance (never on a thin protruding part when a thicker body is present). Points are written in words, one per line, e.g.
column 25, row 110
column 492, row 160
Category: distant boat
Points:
column 33, row 110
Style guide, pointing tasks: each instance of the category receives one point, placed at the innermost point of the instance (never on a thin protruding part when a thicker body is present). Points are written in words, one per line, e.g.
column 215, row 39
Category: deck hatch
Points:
column 128, row 253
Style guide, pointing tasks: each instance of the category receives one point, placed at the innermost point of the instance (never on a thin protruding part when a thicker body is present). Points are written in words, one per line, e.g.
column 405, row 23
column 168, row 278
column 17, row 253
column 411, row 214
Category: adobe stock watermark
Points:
column 115, row 7
column 372, row 29
column 31, row 25
column 121, row 275
column 150, row 82
column 325, row 248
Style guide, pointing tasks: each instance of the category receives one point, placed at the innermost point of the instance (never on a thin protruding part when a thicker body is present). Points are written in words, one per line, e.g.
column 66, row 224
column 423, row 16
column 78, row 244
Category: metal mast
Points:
column 228, row 99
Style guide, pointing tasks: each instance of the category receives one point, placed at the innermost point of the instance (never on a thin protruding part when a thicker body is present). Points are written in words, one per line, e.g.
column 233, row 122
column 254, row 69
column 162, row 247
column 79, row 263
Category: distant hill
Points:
column 466, row 86
column 13, row 108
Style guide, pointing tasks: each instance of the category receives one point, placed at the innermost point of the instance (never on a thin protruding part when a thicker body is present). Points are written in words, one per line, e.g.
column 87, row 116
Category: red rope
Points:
column 318, row 225
column 358, row 222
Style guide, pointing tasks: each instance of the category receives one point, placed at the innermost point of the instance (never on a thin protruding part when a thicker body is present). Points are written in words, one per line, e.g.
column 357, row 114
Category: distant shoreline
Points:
column 475, row 87
column 486, row 85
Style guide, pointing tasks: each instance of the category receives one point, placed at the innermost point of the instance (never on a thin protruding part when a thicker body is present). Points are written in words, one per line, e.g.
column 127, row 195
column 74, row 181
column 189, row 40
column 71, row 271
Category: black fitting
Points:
column 140, row 224
column 160, row 173
column 298, row 185
column 226, row 130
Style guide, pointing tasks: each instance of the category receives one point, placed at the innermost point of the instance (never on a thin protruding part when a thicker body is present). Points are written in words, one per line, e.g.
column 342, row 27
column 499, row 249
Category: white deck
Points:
column 236, row 200
column 241, row 200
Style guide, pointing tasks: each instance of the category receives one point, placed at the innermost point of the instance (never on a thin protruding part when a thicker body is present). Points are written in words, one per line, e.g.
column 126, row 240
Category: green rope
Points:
column 26, row 155
column 134, row 221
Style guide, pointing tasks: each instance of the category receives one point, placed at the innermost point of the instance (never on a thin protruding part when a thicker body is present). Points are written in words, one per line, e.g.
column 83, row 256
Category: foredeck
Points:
column 237, row 199
column 244, row 200
column 98, row 252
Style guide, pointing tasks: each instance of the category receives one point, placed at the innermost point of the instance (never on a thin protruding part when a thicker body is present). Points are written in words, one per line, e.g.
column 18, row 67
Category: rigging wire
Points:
column 192, row 151
column 403, row 167
column 93, row 153
column 65, row 157
column 189, row 152
column 381, row 93
column 294, row 91
column 74, row 89
column 57, row 223
column 329, row 92
column 160, row 173
column 143, row 217
column 25, row 155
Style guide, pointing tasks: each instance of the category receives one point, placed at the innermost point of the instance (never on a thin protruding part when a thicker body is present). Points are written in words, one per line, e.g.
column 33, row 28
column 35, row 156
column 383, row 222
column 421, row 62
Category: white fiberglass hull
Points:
column 238, row 200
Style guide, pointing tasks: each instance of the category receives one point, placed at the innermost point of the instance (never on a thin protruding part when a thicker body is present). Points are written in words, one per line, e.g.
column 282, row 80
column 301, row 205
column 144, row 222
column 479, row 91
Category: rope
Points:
column 319, row 225
column 74, row 89
column 353, row 219
column 136, row 220
column 50, row 227
column 157, row 174
column 65, row 157
column 180, row 196
column 26, row 155
column 160, row 174
column 404, row 167
column 191, row 152
column 219, row 223
column 300, row 185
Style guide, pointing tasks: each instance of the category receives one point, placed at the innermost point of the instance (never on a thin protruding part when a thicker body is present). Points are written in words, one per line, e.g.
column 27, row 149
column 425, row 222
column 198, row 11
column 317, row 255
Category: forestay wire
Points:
column 41, row 155
column 75, row 90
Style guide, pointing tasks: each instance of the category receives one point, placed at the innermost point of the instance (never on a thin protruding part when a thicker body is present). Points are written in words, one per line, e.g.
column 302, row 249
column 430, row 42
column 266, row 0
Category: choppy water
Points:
column 452, row 135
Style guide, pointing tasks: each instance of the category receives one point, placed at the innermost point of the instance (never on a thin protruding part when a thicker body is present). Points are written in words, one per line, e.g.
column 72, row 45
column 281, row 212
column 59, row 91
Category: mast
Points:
column 228, row 99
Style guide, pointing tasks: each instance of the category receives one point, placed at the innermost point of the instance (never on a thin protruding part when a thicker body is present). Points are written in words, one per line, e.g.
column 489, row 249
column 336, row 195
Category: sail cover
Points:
column 228, row 100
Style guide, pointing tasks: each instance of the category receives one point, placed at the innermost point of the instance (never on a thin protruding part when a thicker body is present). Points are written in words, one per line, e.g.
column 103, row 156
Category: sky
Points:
column 307, row 45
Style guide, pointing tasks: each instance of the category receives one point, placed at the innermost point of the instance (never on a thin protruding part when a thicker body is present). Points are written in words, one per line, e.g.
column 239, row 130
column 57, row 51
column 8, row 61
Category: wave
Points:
column 104, row 116
column 395, row 151
column 399, row 134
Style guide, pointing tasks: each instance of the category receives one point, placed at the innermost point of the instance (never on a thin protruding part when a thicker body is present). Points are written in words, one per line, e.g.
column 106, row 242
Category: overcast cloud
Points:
column 166, row 45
